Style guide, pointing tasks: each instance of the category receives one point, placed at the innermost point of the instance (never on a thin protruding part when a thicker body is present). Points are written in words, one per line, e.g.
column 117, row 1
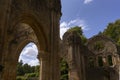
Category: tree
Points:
column 27, row 68
column 80, row 33
column 63, row 69
column 113, row 31
column 77, row 29
column 20, row 68
column 25, row 71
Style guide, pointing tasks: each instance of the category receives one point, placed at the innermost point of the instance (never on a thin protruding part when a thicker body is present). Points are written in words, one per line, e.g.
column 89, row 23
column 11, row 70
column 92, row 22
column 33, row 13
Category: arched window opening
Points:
column 91, row 62
column 110, row 60
column 63, row 69
column 28, row 64
column 100, row 61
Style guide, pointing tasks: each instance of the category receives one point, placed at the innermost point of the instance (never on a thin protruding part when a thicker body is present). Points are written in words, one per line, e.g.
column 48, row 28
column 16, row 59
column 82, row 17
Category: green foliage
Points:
column 28, row 75
column 20, row 68
column 64, row 77
column 21, row 78
column 64, row 70
column 98, row 46
column 113, row 31
column 77, row 29
column 84, row 39
column 37, row 70
column 25, row 71
column 79, row 32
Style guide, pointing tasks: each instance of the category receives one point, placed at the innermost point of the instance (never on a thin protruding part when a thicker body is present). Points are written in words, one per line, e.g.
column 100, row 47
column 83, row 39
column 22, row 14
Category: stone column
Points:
column 75, row 56
column 73, row 72
column 44, row 65
column 4, row 11
column 9, row 72
column 54, row 59
column 74, row 69
column 48, row 67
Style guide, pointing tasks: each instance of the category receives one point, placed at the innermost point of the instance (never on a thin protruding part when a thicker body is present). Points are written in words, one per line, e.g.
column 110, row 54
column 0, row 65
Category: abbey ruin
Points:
column 98, row 59
column 37, row 21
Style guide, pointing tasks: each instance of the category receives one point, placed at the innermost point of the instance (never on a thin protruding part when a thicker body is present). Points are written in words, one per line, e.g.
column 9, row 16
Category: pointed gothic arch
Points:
column 43, row 18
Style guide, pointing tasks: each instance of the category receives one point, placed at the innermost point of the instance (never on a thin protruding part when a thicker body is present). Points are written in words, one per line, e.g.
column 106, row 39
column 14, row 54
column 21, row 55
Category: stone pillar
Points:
column 54, row 60
column 4, row 12
column 48, row 66
column 44, row 65
column 74, row 62
column 75, row 56
column 50, row 59
column 10, row 68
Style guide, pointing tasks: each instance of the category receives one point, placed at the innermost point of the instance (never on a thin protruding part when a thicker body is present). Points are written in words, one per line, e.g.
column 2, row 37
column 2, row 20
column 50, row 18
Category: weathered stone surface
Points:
column 105, row 60
column 72, row 53
column 25, row 21
column 97, row 60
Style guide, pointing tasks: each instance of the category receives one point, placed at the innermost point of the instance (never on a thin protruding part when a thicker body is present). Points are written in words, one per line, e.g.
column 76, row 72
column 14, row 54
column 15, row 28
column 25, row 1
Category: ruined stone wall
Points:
column 42, row 17
column 72, row 52
column 106, row 59
column 97, row 60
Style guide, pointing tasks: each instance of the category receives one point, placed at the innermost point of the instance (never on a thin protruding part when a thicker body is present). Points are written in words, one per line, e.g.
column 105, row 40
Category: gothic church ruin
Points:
column 37, row 21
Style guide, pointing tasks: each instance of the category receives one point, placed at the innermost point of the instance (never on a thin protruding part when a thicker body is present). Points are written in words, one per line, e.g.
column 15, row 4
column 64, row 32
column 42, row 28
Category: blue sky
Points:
column 29, row 54
column 92, row 15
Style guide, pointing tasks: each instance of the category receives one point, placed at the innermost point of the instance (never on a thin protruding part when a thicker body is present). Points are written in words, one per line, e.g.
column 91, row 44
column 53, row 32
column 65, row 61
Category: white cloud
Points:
column 29, row 55
column 34, row 62
column 87, row 1
column 64, row 26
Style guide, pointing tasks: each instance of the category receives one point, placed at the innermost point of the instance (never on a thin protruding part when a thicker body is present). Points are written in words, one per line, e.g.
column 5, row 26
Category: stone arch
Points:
column 101, row 45
column 22, row 45
column 35, row 24
column 100, row 61
column 18, row 53
column 43, row 17
column 107, row 44
column 106, row 53
column 16, row 46
column 110, row 60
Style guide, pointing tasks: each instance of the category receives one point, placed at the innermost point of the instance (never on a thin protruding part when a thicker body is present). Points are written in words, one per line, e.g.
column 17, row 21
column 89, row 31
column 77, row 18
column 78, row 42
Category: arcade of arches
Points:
column 37, row 21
